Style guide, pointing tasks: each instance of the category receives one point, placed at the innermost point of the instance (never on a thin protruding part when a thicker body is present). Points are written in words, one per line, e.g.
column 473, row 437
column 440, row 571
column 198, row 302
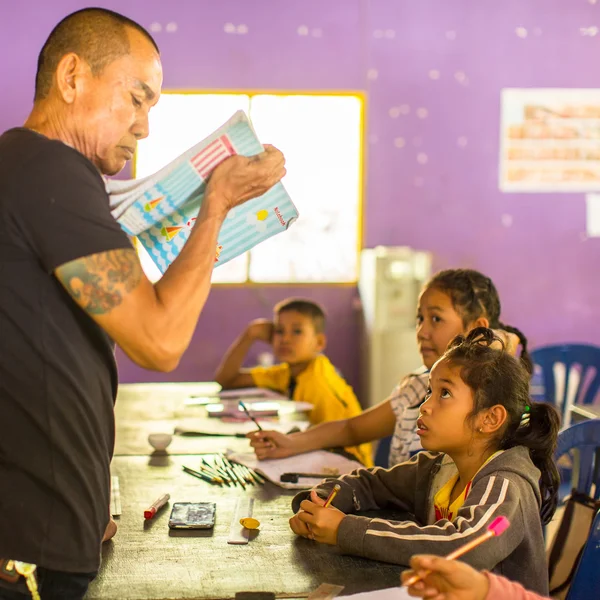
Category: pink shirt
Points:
column 504, row 589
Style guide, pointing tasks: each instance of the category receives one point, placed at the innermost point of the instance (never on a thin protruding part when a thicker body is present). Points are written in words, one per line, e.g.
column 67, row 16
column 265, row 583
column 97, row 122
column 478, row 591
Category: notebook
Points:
column 160, row 210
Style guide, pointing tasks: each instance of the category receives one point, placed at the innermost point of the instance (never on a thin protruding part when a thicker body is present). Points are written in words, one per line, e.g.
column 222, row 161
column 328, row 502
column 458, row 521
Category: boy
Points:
column 304, row 373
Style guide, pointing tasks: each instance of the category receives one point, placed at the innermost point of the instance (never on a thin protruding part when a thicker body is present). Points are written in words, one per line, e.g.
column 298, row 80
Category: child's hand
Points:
column 447, row 580
column 260, row 330
column 323, row 523
column 271, row 444
column 300, row 527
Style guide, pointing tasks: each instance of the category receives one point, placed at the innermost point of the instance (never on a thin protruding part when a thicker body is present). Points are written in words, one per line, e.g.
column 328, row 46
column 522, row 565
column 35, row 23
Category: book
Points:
column 160, row 209
column 318, row 461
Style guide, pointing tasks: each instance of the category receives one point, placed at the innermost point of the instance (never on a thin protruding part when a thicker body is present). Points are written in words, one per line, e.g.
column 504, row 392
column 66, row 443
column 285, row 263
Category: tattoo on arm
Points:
column 99, row 282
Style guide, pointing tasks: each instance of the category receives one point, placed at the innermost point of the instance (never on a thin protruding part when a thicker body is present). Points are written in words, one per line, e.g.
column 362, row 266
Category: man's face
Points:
column 111, row 110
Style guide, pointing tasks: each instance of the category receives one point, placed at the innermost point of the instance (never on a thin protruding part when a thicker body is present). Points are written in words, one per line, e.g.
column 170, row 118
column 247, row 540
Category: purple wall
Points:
column 532, row 245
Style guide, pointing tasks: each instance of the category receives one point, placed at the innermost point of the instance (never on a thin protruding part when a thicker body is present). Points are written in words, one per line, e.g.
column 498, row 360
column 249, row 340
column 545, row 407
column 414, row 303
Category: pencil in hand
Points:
column 497, row 527
column 336, row 488
column 245, row 409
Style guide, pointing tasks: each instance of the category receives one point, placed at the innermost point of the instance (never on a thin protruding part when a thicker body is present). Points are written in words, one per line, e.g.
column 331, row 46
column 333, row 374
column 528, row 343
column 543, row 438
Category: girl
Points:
column 489, row 454
column 453, row 302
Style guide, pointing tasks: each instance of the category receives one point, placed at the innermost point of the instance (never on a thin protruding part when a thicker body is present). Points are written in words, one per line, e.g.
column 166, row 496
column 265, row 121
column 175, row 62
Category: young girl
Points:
column 489, row 454
column 452, row 302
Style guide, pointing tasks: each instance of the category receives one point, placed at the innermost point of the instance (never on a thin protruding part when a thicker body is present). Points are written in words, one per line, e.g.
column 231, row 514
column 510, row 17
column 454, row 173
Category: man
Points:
column 71, row 283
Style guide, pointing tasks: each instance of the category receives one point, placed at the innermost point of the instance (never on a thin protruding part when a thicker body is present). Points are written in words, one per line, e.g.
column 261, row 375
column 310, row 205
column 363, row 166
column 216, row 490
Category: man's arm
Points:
column 154, row 323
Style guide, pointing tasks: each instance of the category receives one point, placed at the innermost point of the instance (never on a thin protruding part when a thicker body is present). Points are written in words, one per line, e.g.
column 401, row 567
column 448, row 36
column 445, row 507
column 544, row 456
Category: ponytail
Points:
column 525, row 358
column 538, row 430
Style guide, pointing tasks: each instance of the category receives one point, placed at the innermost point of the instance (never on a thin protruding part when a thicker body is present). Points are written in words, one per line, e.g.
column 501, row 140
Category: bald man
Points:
column 71, row 285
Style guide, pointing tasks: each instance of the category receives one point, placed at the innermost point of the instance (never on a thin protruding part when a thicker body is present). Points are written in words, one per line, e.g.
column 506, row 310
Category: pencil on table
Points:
column 200, row 475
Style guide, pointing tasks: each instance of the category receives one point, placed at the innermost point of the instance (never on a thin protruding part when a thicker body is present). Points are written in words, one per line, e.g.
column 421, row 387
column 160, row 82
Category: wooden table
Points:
column 148, row 561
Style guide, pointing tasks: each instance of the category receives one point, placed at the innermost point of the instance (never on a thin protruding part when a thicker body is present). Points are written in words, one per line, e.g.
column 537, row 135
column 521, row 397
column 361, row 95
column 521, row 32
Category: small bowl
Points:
column 160, row 441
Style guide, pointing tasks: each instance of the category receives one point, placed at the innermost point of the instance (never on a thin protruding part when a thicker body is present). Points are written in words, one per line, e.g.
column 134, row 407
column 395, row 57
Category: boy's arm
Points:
column 230, row 373
column 394, row 541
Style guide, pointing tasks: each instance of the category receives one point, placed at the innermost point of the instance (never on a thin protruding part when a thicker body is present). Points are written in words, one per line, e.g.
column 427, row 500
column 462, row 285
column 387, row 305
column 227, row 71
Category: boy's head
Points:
column 299, row 332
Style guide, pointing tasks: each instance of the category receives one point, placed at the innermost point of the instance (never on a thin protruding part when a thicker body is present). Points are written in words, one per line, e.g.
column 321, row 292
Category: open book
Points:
column 319, row 462
column 161, row 209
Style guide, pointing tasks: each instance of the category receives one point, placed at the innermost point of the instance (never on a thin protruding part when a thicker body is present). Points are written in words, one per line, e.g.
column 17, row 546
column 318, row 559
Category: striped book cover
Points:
column 161, row 209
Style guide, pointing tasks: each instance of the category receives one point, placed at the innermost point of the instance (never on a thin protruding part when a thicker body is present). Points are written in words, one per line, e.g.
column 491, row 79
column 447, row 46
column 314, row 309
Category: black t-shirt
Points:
column 58, row 377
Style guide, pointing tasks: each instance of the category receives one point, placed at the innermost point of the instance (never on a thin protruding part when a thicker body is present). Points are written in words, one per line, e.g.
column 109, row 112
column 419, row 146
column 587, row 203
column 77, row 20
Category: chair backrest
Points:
column 583, row 439
column 586, row 582
column 580, row 361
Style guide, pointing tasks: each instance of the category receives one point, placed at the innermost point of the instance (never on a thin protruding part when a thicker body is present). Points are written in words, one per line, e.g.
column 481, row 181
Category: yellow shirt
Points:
column 441, row 501
column 332, row 398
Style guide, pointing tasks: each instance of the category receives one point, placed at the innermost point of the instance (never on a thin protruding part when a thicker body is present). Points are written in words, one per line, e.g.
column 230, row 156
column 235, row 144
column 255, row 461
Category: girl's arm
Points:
column 373, row 424
column 394, row 541
column 376, row 488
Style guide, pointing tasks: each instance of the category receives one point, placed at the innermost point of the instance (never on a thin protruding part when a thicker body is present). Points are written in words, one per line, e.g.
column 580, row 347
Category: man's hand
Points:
column 322, row 523
column 260, row 330
column 240, row 178
column 110, row 531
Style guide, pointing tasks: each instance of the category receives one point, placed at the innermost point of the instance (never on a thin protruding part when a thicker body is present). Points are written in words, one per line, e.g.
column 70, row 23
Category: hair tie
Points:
column 525, row 416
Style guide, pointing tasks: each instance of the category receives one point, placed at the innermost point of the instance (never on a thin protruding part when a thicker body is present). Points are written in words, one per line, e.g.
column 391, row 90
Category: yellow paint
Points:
column 250, row 523
column 261, row 215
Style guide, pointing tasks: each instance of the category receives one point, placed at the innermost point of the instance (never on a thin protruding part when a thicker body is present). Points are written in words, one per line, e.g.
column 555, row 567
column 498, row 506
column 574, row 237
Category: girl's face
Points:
column 443, row 424
column 437, row 324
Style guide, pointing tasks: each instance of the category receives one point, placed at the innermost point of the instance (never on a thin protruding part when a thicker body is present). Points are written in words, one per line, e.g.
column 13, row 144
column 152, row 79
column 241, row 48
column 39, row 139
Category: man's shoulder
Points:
column 34, row 152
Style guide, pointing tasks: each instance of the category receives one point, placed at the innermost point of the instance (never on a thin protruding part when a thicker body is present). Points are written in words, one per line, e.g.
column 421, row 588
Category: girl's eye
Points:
column 428, row 392
column 136, row 101
column 436, row 319
column 445, row 393
column 419, row 319
column 278, row 331
column 297, row 331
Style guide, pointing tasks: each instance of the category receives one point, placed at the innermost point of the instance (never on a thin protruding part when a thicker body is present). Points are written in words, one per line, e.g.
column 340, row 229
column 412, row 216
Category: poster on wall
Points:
column 550, row 140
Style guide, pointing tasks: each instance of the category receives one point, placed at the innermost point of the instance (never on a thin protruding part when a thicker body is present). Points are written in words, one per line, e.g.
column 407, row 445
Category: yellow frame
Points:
column 362, row 96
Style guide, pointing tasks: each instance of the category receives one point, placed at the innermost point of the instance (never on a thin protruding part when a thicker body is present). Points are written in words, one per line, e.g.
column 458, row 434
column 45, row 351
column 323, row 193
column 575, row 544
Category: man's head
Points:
column 98, row 75
column 299, row 332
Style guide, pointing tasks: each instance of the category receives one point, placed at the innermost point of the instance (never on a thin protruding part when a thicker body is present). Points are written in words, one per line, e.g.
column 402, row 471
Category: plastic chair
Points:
column 382, row 454
column 582, row 442
column 585, row 379
column 586, row 581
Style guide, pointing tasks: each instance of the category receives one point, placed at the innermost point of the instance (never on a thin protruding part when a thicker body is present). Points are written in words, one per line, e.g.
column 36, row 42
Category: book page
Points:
column 161, row 209
column 319, row 461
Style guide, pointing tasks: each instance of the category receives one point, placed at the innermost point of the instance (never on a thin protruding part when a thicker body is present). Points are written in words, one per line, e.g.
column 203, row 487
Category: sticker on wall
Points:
column 550, row 140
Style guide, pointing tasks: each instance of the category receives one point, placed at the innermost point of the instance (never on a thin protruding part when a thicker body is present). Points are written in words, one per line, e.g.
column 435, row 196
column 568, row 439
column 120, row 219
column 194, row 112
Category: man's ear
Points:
column 66, row 77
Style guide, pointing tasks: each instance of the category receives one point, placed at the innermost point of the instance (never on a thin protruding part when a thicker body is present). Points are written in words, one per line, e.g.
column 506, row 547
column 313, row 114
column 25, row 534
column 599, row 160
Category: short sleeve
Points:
column 274, row 378
column 63, row 210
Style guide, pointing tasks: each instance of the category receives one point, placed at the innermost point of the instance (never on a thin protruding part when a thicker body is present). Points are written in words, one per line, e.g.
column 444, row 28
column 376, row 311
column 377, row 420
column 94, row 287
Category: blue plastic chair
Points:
column 582, row 443
column 587, row 357
column 586, row 581
column 382, row 454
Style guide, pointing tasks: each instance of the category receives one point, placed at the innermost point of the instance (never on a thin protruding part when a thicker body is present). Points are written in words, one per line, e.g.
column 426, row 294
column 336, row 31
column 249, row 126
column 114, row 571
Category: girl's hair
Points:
column 473, row 296
column 496, row 377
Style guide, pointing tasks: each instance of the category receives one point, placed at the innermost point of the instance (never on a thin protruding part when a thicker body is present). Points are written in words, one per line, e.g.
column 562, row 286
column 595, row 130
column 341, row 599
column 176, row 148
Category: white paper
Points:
column 216, row 426
column 592, row 220
column 550, row 140
column 395, row 593
column 319, row 461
